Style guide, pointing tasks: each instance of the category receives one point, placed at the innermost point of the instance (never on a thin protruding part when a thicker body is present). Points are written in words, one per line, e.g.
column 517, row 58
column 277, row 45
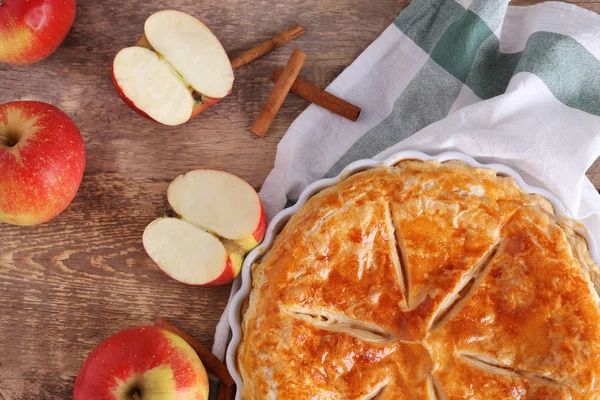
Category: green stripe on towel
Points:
column 567, row 68
column 456, row 49
column 419, row 105
column 463, row 48
column 425, row 21
column 462, row 43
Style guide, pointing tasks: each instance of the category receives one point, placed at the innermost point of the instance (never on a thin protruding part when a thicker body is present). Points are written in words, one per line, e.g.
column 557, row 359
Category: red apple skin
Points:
column 31, row 30
column 198, row 108
column 226, row 277
column 149, row 359
column 259, row 233
column 253, row 240
column 41, row 173
column 206, row 102
column 231, row 271
column 127, row 101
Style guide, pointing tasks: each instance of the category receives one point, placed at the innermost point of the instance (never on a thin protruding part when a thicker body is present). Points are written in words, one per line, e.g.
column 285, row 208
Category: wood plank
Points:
column 67, row 285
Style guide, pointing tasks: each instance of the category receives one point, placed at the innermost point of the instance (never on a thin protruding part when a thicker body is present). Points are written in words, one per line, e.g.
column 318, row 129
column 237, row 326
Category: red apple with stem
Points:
column 145, row 363
column 31, row 30
column 42, row 159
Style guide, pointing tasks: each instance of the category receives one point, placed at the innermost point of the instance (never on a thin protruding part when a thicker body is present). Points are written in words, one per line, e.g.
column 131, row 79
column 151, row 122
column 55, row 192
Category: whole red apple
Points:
column 149, row 362
column 42, row 158
column 30, row 30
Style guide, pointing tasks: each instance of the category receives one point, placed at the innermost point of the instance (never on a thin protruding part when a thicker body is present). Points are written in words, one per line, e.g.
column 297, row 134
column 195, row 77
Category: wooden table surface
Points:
column 68, row 284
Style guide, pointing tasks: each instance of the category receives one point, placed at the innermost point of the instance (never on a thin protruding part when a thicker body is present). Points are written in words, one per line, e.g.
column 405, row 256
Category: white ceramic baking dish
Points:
column 279, row 221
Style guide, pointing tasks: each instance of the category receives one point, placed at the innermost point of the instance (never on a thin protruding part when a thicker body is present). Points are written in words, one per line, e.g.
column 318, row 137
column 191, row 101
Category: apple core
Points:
column 9, row 139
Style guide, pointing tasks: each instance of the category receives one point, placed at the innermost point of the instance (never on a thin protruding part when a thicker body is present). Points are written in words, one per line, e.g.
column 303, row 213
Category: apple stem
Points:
column 135, row 395
column 195, row 95
column 3, row 139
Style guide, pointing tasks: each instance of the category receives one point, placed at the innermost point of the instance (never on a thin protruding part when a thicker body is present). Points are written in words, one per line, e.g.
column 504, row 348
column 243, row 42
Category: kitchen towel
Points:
column 514, row 85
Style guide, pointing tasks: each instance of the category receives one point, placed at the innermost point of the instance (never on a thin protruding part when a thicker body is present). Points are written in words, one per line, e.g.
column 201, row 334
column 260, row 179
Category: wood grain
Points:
column 67, row 285
column 266, row 47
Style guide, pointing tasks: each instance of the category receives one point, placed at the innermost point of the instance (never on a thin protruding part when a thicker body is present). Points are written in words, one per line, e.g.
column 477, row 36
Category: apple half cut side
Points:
column 221, row 218
column 181, row 71
column 221, row 203
column 189, row 254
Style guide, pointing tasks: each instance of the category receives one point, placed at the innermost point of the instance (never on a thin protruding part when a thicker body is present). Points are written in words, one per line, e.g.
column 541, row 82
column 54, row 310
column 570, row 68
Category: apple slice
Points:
column 221, row 219
column 190, row 255
column 221, row 203
column 193, row 51
column 185, row 71
column 168, row 101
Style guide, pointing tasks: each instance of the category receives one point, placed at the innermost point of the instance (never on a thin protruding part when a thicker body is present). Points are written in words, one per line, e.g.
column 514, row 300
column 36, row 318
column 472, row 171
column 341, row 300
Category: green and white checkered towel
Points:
column 514, row 85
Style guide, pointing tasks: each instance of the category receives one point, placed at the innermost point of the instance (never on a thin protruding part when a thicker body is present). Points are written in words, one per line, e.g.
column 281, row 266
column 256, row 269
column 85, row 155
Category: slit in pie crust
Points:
column 426, row 280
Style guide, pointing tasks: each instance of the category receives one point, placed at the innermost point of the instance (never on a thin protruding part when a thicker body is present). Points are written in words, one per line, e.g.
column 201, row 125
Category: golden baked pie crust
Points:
column 426, row 280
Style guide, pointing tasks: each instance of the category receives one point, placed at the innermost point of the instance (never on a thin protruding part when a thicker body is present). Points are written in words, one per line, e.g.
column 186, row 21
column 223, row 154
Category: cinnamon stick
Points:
column 266, row 47
column 316, row 95
column 226, row 392
column 210, row 361
column 278, row 94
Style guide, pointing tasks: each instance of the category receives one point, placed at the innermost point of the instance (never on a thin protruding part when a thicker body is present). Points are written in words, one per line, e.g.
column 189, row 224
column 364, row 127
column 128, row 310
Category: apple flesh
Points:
column 221, row 203
column 31, row 30
column 221, row 218
column 42, row 160
column 149, row 362
column 178, row 70
column 190, row 255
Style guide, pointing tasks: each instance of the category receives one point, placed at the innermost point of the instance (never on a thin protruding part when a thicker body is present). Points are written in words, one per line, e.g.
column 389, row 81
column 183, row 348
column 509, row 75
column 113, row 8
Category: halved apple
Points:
column 221, row 203
column 190, row 255
column 221, row 219
column 177, row 72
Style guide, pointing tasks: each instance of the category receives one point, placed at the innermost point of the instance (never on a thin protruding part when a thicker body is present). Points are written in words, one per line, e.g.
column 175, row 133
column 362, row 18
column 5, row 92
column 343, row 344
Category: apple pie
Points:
column 425, row 280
